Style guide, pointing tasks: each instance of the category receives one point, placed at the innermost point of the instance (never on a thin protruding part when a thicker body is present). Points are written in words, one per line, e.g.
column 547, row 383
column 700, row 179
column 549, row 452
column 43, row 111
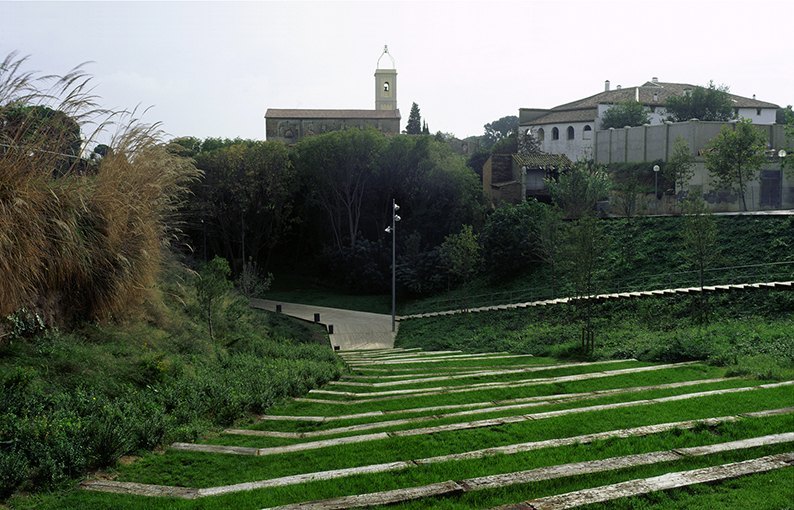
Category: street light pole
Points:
column 656, row 185
column 393, row 231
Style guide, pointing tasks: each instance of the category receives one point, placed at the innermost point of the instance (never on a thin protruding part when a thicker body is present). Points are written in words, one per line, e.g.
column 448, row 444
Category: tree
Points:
column 211, row 288
column 508, row 238
column 414, row 125
column 461, row 252
column 245, row 200
column 339, row 167
column 625, row 113
column 548, row 233
column 699, row 239
column 679, row 167
column 584, row 248
column 425, row 129
column 498, row 130
column 579, row 189
column 735, row 155
column 702, row 103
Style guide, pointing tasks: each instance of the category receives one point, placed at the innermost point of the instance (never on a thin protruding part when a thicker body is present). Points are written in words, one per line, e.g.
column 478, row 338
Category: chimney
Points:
column 606, row 86
column 618, row 87
column 655, row 79
column 753, row 96
column 637, row 94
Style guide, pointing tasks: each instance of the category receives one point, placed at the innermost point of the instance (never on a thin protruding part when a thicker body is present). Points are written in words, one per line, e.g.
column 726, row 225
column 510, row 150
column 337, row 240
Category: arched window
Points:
column 570, row 133
column 386, row 86
column 587, row 132
column 541, row 135
column 555, row 134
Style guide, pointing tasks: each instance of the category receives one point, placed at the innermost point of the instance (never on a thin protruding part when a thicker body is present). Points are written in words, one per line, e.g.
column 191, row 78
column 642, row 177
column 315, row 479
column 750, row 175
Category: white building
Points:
column 568, row 129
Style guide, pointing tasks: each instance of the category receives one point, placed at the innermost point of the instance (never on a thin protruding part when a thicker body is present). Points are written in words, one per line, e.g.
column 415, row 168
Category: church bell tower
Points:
column 386, row 82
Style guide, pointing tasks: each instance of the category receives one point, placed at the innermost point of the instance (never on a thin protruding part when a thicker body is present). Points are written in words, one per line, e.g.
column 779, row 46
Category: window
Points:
column 541, row 134
column 587, row 133
column 758, row 111
column 571, row 133
column 555, row 134
column 386, row 86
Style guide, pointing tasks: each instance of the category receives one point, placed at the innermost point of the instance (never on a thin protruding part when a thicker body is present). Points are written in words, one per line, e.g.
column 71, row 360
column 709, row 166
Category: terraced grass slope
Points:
column 415, row 429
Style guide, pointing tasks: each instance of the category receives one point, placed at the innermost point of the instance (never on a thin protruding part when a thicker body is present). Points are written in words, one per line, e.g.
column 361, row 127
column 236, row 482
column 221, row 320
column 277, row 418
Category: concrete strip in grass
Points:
column 189, row 493
column 441, row 390
column 539, row 398
column 451, row 487
column 482, row 373
column 453, row 357
column 522, row 404
column 654, row 484
column 490, row 422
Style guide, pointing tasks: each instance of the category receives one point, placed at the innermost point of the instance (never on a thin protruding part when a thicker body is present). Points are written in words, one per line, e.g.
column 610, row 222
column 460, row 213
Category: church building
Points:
column 289, row 126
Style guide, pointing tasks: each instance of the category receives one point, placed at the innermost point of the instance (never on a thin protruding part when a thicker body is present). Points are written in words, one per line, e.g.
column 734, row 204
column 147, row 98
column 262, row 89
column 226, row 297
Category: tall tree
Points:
column 579, row 188
column 679, row 167
column 735, row 155
column 498, row 130
column 414, row 125
column 340, row 167
column 425, row 129
column 699, row 239
column 703, row 103
column 626, row 113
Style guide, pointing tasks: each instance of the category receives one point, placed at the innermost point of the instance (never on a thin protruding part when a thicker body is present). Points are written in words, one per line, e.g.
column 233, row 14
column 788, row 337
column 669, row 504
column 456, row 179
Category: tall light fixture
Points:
column 393, row 231
column 656, row 183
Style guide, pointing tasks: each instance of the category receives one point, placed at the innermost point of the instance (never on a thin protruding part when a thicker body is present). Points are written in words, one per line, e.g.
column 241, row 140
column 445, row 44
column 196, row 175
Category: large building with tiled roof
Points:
column 290, row 125
column 568, row 129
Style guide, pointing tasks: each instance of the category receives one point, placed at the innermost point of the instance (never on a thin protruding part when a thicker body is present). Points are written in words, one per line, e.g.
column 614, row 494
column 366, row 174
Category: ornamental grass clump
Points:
column 81, row 231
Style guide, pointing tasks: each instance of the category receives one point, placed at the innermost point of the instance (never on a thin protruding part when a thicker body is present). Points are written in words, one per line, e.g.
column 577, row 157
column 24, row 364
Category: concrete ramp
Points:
column 351, row 329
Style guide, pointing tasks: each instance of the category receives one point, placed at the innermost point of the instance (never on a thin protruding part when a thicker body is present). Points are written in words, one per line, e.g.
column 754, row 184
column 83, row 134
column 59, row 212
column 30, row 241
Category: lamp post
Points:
column 656, row 186
column 393, row 231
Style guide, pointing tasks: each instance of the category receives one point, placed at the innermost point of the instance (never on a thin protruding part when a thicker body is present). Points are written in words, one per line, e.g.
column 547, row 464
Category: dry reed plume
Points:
column 80, row 237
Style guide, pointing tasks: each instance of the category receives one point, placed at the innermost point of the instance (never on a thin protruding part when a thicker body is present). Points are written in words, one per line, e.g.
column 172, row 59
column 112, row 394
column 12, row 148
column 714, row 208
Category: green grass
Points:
column 466, row 469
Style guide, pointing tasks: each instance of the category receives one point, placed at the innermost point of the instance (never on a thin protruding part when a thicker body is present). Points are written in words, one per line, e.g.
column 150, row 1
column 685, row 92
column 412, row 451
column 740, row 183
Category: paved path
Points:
column 352, row 329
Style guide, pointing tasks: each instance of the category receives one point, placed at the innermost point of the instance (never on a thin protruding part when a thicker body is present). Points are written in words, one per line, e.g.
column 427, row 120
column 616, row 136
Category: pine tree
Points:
column 425, row 129
column 414, row 125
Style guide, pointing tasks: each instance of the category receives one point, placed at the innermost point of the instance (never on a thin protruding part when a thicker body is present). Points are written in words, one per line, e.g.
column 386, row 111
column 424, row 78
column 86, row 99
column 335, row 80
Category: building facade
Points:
column 290, row 125
column 569, row 128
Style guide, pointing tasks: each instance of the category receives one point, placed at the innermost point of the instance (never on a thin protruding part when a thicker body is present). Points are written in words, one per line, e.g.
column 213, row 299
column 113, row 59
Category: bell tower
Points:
column 386, row 82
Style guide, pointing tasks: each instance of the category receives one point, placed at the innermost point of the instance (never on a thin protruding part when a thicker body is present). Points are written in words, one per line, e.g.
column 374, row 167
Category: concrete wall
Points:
column 773, row 189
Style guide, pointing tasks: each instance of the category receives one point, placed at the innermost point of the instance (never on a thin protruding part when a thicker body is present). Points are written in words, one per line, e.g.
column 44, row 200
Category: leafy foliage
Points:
column 735, row 155
column 508, row 239
column 579, row 189
column 499, row 130
column 626, row 113
column 414, row 124
column 679, row 167
column 461, row 252
column 703, row 103
column 211, row 287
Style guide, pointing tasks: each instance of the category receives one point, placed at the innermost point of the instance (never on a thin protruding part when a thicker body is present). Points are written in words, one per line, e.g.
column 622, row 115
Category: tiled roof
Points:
column 279, row 113
column 542, row 160
column 649, row 94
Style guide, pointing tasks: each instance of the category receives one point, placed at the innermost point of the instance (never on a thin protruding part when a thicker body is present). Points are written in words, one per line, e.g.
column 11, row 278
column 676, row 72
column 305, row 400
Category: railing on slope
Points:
column 751, row 273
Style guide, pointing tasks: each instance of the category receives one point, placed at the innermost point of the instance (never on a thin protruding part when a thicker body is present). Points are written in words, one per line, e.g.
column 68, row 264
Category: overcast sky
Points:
column 213, row 68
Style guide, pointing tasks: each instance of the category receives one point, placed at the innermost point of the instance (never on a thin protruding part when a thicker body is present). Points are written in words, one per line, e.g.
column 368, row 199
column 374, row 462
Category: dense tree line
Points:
column 324, row 203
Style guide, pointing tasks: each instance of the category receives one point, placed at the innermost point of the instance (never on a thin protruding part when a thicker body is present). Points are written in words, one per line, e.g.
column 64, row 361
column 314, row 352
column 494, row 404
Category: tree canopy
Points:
column 498, row 130
column 702, row 103
column 626, row 113
column 735, row 155
column 414, row 124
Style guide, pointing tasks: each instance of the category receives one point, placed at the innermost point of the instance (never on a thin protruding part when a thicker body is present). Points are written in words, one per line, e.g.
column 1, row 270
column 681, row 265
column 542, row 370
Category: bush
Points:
column 508, row 239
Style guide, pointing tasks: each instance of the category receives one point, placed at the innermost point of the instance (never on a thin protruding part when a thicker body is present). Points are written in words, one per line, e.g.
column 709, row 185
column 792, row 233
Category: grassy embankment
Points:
column 750, row 332
column 81, row 399
column 200, row 469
